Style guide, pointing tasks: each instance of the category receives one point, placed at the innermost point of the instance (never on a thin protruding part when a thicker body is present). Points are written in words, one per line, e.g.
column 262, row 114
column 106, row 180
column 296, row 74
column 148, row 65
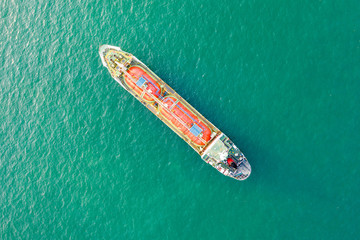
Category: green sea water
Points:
column 80, row 158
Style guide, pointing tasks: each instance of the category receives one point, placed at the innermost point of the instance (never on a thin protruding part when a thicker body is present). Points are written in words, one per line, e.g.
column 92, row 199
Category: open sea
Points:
column 80, row 158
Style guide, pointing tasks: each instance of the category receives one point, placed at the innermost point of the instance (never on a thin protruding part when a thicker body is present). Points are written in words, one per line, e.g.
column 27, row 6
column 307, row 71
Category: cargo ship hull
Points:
column 209, row 142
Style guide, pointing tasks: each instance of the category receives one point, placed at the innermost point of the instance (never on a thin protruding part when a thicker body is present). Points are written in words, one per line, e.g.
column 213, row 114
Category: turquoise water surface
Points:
column 80, row 158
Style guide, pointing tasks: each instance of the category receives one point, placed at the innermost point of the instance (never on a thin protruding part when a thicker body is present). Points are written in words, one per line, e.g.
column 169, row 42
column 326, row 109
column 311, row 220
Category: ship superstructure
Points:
column 210, row 143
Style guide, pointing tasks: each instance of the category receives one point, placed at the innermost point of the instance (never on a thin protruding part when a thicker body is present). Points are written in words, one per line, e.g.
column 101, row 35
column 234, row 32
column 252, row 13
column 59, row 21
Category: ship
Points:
column 214, row 147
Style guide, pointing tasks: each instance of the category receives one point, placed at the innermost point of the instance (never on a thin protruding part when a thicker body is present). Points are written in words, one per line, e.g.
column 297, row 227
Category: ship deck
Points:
column 163, row 101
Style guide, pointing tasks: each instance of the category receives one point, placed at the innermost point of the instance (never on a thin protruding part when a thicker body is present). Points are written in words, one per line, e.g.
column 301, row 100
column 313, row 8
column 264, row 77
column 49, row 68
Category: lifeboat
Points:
column 142, row 78
column 196, row 130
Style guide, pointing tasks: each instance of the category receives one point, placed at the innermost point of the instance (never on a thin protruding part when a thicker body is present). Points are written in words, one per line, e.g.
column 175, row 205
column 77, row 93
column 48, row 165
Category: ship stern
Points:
column 223, row 155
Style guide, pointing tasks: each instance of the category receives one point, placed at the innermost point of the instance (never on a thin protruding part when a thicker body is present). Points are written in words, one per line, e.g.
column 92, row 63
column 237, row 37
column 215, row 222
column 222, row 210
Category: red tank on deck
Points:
column 187, row 117
column 142, row 78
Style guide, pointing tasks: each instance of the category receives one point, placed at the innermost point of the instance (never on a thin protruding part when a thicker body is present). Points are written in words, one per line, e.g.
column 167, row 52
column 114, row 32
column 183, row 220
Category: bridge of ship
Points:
column 217, row 154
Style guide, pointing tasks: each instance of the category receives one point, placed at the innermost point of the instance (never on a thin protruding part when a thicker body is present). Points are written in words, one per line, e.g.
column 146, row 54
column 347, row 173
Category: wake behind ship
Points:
column 214, row 147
